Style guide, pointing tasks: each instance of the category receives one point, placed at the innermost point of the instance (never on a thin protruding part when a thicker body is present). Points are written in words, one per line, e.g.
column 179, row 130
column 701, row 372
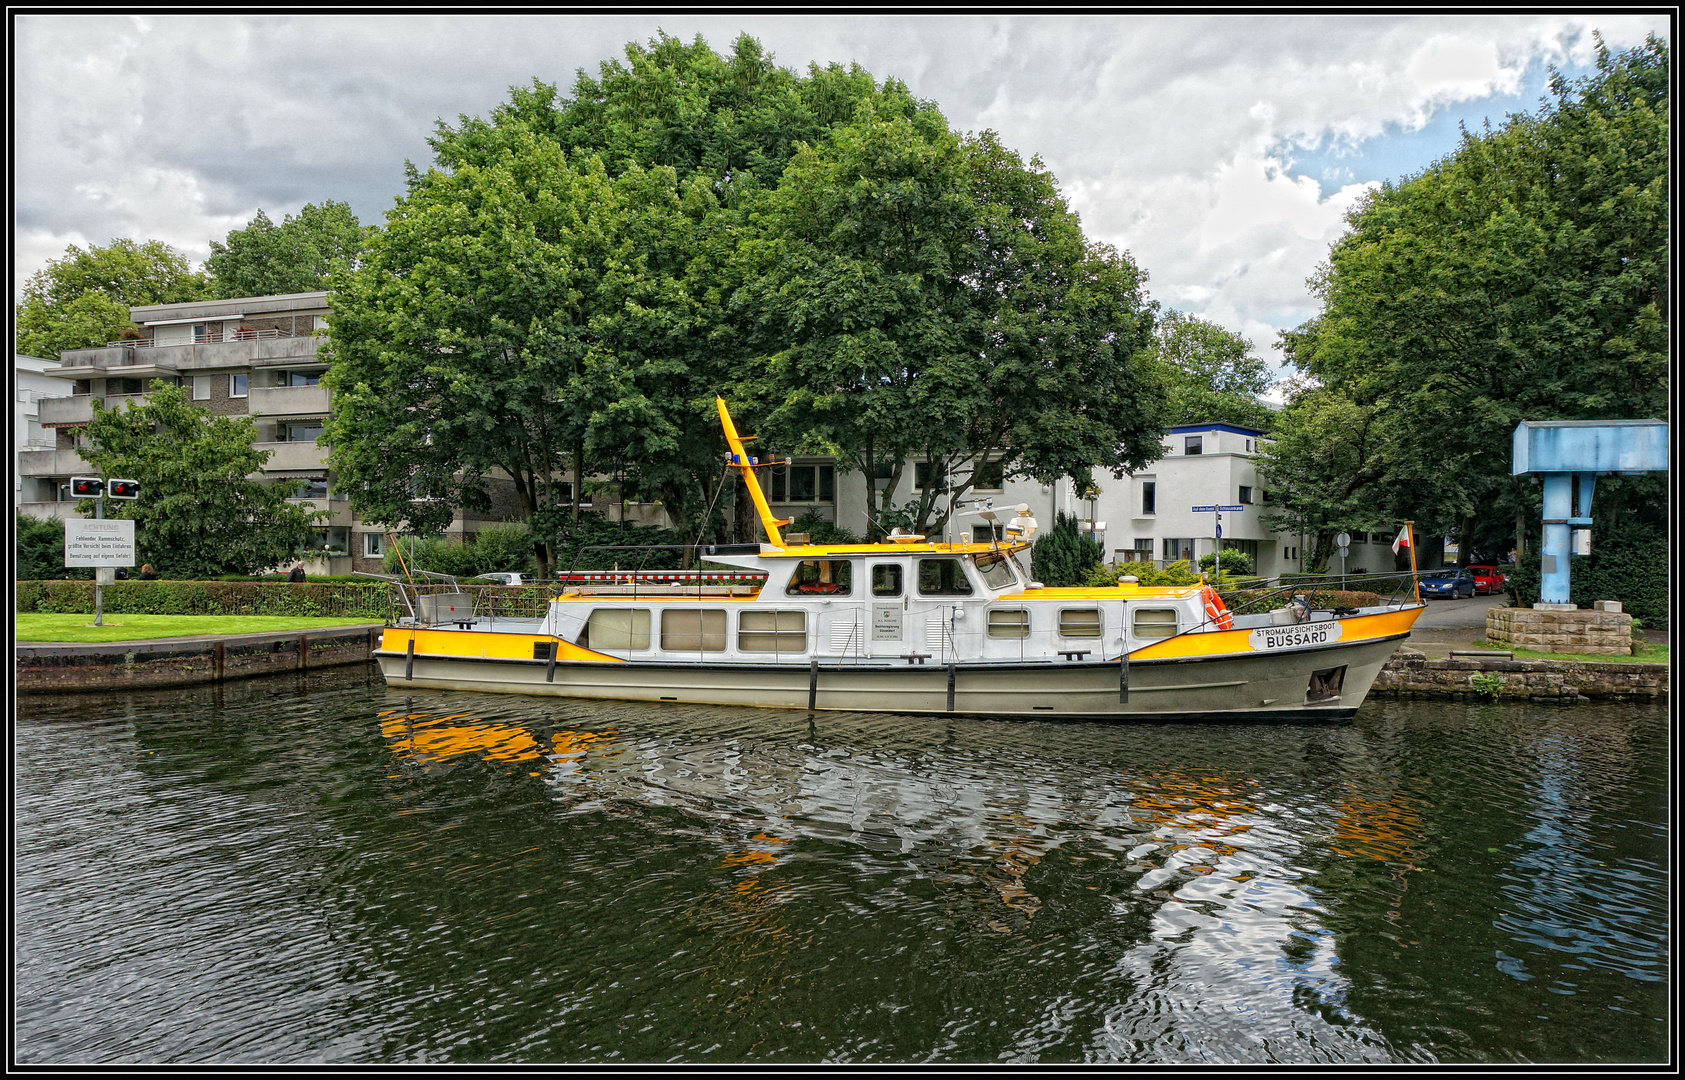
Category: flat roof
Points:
column 231, row 308
column 1189, row 429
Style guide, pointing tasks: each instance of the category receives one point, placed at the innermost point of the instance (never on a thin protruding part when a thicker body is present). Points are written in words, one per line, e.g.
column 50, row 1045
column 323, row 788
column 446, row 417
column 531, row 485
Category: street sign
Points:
column 97, row 542
column 1236, row 509
column 1204, row 509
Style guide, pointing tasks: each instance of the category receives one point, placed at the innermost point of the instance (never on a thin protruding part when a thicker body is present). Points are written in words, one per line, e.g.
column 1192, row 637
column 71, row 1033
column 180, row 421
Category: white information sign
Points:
column 99, row 543
column 1295, row 636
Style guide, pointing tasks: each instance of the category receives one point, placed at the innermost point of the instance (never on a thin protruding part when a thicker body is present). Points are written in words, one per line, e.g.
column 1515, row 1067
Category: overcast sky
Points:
column 1220, row 151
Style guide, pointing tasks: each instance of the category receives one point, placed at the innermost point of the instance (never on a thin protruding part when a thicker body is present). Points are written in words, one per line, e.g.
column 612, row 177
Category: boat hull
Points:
column 1326, row 683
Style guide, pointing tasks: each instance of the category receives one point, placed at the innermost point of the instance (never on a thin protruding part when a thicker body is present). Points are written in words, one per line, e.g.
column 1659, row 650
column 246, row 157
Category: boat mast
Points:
column 740, row 460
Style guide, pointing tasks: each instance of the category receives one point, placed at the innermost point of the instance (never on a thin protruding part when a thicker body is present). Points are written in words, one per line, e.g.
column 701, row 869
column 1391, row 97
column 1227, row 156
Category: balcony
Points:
column 49, row 511
column 79, row 409
column 293, row 456
column 53, row 463
column 210, row 355
column 337, row 509
column 288, row 400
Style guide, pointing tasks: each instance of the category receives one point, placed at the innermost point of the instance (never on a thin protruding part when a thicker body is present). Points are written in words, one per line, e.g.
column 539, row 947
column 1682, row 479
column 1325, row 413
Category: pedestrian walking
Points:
column 297, row 575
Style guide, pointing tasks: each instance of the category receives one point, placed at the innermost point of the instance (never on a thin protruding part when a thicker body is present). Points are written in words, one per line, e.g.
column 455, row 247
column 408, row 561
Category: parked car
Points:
column 1447, row 584
column 1488, row 580
column 501, row 579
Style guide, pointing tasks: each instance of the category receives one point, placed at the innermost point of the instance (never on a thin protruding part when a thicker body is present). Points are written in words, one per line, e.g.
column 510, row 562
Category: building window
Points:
column 201, row 388
column 1178, row 547
column 803, row 483
column 1149, row 497
column 303, row 378
column 1248, row 446
column 236, row 386
column 374, row 545
column 989, row 476
column 1193, row 444
column 929, row 474
column 314, row 487
column 987, row 534
column 122, row 386
column 566, row 487
column 82, row 388
column 1249, row 548
column 1245, row 494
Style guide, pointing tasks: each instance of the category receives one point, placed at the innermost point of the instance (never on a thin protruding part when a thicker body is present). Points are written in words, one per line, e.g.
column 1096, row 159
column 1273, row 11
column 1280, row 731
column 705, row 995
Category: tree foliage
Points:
column 201, row 512
column 82, row 301
column 1211, row 374
column 266, row 259
column 1522, row 277
column 1063, row 555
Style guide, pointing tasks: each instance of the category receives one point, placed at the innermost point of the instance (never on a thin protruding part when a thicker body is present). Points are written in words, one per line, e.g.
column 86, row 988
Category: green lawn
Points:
column 80, row 628
column 1647, row 654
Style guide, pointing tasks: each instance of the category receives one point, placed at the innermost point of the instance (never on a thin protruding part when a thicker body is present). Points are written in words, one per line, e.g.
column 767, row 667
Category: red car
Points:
column 1487, row 580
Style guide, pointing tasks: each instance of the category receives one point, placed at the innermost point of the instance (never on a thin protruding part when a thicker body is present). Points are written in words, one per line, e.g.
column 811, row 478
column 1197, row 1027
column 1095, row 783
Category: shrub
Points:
column 1064, row 556
column 367, row 600
column 820, row 531
column 1238, row 563
column 594, row 530
column 1255, row 601
column 41, row 552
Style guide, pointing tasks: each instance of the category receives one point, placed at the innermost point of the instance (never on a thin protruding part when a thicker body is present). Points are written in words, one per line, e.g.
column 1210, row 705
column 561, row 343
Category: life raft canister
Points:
column 1215, row 609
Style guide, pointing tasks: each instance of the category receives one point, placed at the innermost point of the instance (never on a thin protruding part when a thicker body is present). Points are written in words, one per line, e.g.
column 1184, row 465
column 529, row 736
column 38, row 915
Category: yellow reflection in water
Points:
column 429, row 739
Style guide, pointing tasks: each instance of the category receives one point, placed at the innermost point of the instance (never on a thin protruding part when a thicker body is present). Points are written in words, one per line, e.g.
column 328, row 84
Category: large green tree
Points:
column 1211, row 373
column 266, row 259
column 82, row 301
column 202, row 510
column 1522, row 277
column 926, row 295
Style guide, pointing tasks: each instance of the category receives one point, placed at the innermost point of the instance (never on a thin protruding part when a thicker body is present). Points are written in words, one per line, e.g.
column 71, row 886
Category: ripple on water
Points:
column 342, row 873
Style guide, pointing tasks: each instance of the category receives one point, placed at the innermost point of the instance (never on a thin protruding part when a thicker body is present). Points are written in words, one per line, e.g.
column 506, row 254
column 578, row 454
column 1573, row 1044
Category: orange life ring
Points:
column 1215, row 610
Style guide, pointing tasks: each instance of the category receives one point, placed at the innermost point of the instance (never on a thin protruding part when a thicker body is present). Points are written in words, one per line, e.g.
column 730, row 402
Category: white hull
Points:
column 1277, row 685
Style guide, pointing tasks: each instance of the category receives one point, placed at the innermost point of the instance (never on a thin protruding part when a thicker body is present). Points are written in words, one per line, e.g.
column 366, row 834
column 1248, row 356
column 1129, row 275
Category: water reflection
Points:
column 459, row 877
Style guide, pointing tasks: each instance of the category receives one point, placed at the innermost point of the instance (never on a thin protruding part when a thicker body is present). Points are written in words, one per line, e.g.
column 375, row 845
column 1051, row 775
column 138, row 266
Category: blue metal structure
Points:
column 1561, row 451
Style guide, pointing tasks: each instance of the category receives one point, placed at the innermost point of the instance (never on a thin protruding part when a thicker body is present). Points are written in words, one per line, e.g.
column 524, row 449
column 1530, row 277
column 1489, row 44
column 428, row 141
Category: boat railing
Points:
column 640, row 579
column 447, row 602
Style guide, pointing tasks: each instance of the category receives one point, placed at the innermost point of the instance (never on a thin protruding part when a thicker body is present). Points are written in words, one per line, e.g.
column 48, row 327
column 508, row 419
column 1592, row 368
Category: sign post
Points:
column 99, row 543
column 1343, row 542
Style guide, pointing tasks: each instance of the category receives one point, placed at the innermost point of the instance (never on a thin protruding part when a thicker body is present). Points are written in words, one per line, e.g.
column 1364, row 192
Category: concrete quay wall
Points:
column 141, row 665
column 1410, row 674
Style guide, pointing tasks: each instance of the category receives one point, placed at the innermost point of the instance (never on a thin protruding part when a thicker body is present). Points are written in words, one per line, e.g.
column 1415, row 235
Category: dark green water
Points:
column 318, row 869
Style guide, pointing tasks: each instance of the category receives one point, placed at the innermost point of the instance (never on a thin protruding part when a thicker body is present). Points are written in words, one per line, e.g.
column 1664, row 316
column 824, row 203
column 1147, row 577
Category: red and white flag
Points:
column 1403, row 540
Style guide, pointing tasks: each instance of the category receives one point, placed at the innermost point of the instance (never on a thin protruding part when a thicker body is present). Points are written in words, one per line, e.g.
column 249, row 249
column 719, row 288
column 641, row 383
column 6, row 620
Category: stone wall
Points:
column 1599, row 633
column 1410, row 674
column 126, row 665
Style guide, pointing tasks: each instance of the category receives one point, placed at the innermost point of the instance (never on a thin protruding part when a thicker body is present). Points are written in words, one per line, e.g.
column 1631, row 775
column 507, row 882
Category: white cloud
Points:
column 1169, row 134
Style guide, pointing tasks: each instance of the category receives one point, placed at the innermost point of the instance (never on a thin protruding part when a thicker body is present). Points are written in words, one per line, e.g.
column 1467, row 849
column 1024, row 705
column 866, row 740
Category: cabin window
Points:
column 822, row 577
column 693, row 631
column 772, row 631
column 1155, row 622
column 1009, row 623
column 886, row 579
column 617, row 630
column 942, row 577
column 1079, row 622
column 997, row 572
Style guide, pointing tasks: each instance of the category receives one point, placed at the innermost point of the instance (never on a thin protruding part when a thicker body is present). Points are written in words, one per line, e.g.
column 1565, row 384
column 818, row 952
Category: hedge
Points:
column 207, row 598
column 1626, row 567
column 1321, row 600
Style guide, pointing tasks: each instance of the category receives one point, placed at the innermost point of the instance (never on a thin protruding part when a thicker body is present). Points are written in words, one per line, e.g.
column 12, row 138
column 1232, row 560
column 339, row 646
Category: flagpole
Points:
column 1415, row 582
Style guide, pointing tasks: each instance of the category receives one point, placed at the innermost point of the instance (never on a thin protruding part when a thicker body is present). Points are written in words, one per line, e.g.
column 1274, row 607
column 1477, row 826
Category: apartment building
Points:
column 252, row 356
column 31, row 384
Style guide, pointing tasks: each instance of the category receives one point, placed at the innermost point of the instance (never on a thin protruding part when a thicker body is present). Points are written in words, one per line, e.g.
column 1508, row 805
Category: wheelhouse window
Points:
column 1155, row 622
column 1009, row 623
column 822, row 577
column 1079, row 623
column 772, row 632
column 996, row 571
column 693, row 631
column 942, row 577
column 886, row 579
column 616, row 630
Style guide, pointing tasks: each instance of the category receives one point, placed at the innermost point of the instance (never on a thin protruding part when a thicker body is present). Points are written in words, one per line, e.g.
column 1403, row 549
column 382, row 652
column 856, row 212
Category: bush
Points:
column 594, row 530
column 820, row 531
column 365, row 600
column 497, row 549
column 1064, row 556
column 1256, row 601
column 1238, row 563
column 1629, row 566
column 41, row 552
column 1176, row 573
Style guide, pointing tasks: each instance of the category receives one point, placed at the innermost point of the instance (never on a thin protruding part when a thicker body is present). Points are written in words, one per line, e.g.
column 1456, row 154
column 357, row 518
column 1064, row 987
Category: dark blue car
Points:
column 1447, row 584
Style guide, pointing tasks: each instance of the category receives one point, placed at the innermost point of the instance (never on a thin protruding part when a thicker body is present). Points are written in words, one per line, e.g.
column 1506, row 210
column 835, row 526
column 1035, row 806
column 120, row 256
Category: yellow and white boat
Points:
column 907, row 626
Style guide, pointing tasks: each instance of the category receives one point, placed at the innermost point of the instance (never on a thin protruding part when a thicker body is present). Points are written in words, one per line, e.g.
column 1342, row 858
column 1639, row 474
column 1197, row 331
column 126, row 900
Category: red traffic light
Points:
column 124, row 489
column 86, row 486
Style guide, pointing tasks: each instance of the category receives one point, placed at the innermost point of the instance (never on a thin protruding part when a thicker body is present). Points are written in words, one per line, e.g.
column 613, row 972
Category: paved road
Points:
column 1457, row 614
